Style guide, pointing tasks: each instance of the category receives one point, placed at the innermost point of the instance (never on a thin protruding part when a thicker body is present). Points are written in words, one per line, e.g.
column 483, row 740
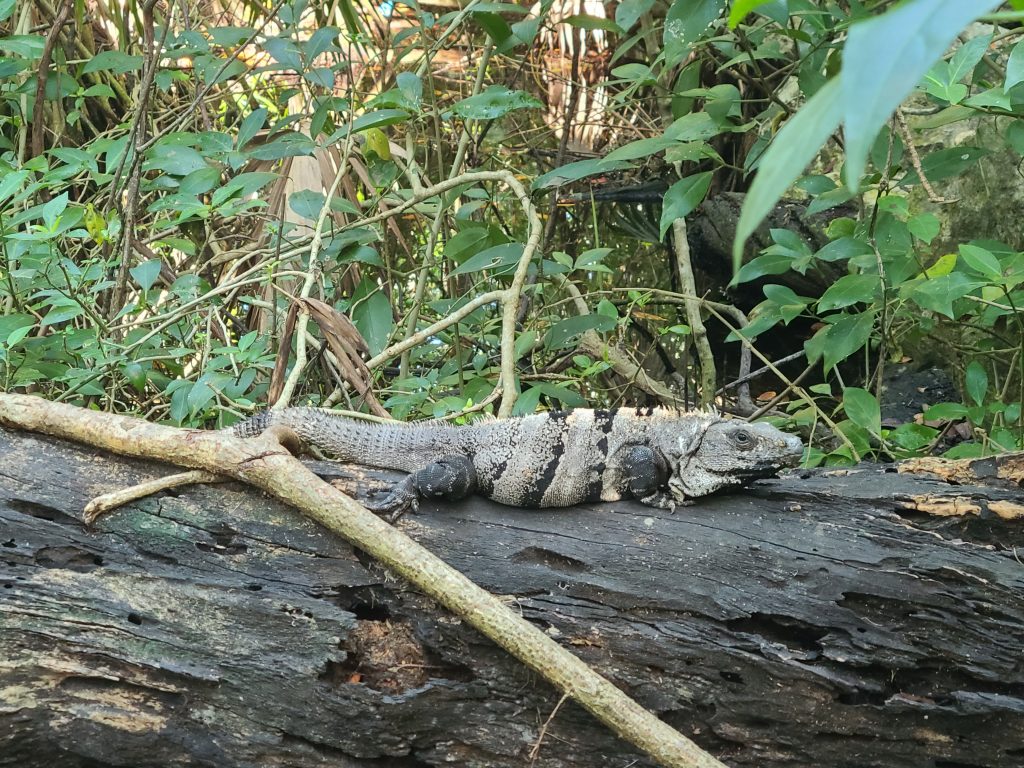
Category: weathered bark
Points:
column 813, row 621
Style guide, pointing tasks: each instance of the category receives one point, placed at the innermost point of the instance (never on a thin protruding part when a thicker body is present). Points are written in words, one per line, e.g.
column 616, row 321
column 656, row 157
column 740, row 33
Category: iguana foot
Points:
column 399, row 500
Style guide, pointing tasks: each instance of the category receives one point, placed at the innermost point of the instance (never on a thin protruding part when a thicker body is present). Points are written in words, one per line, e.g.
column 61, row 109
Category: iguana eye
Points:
column 742, row 438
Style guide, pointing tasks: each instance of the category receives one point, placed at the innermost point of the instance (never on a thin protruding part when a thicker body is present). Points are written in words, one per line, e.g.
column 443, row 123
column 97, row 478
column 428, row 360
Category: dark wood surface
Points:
column 812, row 621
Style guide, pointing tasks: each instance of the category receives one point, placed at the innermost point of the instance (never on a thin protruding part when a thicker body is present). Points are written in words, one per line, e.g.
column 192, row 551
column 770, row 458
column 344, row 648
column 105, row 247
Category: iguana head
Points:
column 713, row 453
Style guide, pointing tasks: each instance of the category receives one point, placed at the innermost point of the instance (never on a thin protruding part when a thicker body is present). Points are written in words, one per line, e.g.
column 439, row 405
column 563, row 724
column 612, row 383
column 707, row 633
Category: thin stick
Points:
column 108, row 501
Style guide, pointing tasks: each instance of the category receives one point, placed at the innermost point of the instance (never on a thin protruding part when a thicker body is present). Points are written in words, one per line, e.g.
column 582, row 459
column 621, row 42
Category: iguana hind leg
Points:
column 450, row 477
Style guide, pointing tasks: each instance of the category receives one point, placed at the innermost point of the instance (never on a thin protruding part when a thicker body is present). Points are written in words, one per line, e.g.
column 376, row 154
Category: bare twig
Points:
column 38, row 122
column 699, row 334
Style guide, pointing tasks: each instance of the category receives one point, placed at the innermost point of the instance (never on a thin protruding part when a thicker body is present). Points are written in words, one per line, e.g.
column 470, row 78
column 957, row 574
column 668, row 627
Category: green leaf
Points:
column 981, row 260
column 411, row 87
column 685, row 23
column 500, row 259
column 885, row 57
column 11, row 182
column 740, row 9
column 228, row 37
column 199, row 396
column 566, row 331
column 945, row 163
column 307, row 203
column 787, row 303
column 1014, row 67
column 793, row 148
column 175, row 159
column 924, row 226
column 53, row 209
column 493, row 103
column 113, row 61
column 285, row 144
column 976, row 382
column 682, row 197
column 62, row 310
column 242, row 185
column 373, row 319
column 494, row 25
column 576, row 171
column 586, row 21
column 466, row 242
column 765, row 264
column 136, row 376
column 627, row 13
column 912, row 437
column 841, row 339
column 285, row 51
column 146, row 273
column 563, row 394
column 15, row 323
column 849, row 290
column 200, row 182
column 379, row 119
column 938, row 294
column 862, row 409
column 967, row 57
column 1015, row 136
column 842, row 249
column 640, row 148
column 6, row 9
column 25, row 46
column 945, row 412
column 250, row 126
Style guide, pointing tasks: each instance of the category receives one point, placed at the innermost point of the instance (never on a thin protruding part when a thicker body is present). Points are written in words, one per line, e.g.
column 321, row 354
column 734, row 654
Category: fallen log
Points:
column 824, row 619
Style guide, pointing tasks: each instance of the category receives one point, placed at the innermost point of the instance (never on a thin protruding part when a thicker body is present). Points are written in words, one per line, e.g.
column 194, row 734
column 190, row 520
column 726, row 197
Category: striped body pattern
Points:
column 660, row 456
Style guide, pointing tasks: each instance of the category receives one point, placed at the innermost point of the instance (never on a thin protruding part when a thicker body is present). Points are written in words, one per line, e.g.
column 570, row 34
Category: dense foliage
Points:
column 206, row 207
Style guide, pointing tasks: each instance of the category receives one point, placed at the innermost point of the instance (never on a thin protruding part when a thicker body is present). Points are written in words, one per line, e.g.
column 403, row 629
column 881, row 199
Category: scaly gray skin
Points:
column 664, row 458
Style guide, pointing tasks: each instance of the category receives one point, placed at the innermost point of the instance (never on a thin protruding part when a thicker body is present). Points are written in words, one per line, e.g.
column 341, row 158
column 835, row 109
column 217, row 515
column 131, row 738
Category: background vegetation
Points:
column 450, row 208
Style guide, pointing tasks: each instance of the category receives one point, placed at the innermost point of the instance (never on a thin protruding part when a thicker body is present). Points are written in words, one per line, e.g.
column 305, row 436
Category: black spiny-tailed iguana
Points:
column 661, row 457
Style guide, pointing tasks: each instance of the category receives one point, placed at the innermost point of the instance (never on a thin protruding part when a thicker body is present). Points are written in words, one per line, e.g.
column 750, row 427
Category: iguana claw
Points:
column 401, row 499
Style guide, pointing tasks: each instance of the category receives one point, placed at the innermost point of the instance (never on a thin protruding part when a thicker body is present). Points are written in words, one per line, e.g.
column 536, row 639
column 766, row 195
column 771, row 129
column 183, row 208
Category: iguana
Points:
column 663, row 458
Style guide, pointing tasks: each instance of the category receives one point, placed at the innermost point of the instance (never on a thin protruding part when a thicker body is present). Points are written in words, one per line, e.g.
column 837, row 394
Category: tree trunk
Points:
column 822, row 619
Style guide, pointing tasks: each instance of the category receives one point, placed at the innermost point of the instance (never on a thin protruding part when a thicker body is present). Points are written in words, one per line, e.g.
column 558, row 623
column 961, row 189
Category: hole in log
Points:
column 370, row 611
column 9, row 543
column 69, row 558
column 43, row 512
column 783, row 630
column 382, row 655
column 225, row 542
column 134, row 618
column 731, row 677
column 253, row 587
column 553, row 560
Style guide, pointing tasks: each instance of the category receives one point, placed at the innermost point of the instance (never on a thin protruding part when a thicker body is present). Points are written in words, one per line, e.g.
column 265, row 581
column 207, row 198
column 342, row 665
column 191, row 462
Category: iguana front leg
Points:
column 647, row 475
column 450, row 477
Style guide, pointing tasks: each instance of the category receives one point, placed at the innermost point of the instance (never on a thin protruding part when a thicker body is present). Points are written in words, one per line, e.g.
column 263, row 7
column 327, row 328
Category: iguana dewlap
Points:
column 663, row 458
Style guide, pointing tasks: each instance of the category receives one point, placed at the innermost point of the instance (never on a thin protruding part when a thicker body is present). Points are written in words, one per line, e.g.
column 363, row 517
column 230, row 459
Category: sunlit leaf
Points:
column 494, row 102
